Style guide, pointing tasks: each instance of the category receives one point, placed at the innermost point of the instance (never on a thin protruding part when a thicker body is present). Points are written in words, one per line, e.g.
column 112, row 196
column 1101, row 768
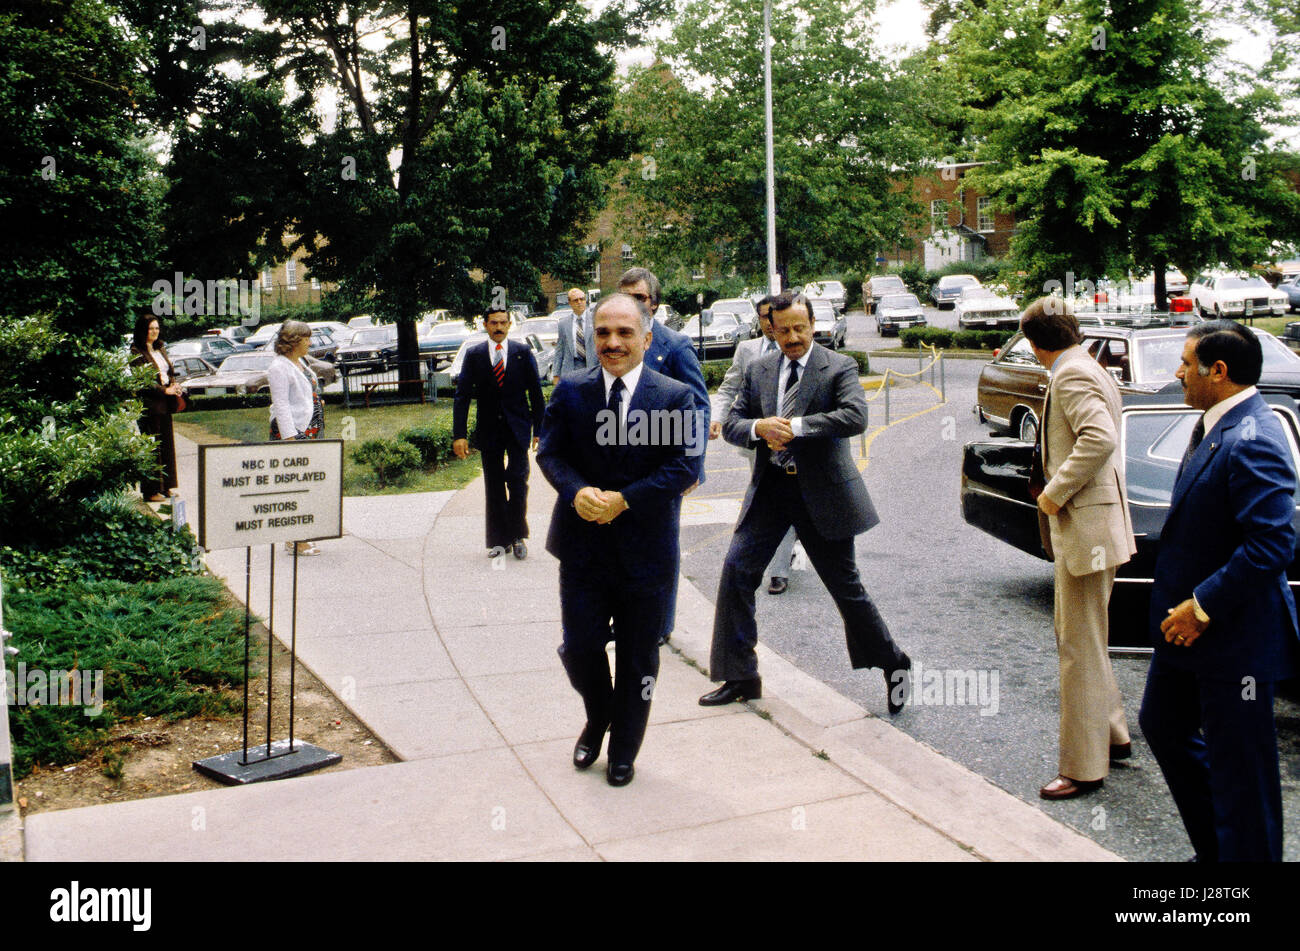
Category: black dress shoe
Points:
column 732, row 691
column 521, row 550
column 587, row 750
column 778, row 585
column 619, row 774
column 898, row 686
column 1120, row 751
column 663, row 641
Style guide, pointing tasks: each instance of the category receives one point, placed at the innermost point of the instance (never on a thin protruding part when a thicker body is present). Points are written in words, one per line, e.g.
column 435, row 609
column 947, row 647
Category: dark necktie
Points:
column 1198, row 433
column 616, row 404
column 499, row 367
column 783, row 457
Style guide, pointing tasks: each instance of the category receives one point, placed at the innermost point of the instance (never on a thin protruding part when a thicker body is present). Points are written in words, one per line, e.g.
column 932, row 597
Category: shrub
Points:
column 961, row 339
column 864, row 365
column 931, row 336
column 112, row 540
column 714, row 371
column 169, row 649
column 433, row 443
column 390, row 458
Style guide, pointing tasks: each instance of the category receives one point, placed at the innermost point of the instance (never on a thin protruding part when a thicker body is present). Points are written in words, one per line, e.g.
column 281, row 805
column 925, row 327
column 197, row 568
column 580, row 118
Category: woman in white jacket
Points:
column 296, row 408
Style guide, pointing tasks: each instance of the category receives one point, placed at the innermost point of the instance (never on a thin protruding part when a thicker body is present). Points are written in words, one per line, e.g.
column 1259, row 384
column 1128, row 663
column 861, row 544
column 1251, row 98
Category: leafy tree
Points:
column 1118, row 138
column 79, row 191
column 466, row 142
column 848, row 126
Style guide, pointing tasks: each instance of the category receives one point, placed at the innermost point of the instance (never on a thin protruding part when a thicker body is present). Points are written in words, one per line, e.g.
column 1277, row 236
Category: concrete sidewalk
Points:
column 453, row 664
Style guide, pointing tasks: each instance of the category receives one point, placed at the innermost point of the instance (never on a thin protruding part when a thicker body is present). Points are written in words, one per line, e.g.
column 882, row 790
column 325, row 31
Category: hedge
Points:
column 959, row 339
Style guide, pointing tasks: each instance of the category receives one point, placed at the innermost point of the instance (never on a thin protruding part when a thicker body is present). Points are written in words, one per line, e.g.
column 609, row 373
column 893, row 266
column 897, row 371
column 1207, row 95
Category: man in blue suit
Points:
column 1222, row 617
column 615, row 526
column 575, row 348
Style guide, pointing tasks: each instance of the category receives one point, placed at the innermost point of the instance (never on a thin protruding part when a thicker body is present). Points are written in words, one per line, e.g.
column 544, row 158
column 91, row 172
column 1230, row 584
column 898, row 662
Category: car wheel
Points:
column 1027, row 430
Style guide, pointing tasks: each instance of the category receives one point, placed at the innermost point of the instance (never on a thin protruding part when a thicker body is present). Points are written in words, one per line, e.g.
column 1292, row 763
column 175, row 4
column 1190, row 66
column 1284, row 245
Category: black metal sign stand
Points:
column 277, row 759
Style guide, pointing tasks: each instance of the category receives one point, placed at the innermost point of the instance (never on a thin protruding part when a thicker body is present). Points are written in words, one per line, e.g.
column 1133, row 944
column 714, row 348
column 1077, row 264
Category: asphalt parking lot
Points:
column 957, row 600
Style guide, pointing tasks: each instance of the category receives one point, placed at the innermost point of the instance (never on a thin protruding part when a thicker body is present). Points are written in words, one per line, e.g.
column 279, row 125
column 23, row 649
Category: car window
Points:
column 1154, row 443
column 1020, row 354
column 1159, row 358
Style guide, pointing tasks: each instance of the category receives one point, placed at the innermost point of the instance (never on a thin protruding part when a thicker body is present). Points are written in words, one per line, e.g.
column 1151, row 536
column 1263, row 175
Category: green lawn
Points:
column 379, row 422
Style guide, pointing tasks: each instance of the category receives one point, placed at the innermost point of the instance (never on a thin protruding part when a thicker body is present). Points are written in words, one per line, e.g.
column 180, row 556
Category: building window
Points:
column 291, row 274
column 627, row 253
column 315, row 284
column 266, row 278
column 984, row 214
column 938, row 214
column 593, row 274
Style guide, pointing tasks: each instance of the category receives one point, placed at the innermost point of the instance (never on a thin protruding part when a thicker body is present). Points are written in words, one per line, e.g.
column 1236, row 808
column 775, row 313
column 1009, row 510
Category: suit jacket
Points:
column 1084, row 468
column 643, row 539
column 672, row 353
column 154, row 399
column 566, row 360
column 833, row 408
column 509, row 403
column 1229, row 538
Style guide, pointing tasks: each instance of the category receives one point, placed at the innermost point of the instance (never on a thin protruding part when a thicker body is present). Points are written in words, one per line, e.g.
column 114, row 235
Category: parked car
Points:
column 1282, row 271
column 247, row 373
column 880, row 286
column 722, row 331
column 1012, row 387
column 341, row 332
column 1154, row 432
column 237, row 334
column 978, row 308
column 191, row 368
column 895, row 312
column 1236, row 296
column 1291, row 288
column 669, row 317
column 547, row 329
column 949, row 287
column 371, row 349
column 829, row 325
column 439, row 343
column 362, row 320
column 832, row 291
column 263, row 335
column 214, row 349
column 541, row 353
column 742, row 308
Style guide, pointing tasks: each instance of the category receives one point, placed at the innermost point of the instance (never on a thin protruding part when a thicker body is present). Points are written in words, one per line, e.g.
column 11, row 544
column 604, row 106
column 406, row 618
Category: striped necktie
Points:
column 499, row 367
column 580, row 340
column 784, row 458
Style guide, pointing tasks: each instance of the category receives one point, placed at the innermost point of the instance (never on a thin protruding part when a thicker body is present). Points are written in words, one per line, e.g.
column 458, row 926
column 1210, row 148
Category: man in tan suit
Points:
column 1084, row 520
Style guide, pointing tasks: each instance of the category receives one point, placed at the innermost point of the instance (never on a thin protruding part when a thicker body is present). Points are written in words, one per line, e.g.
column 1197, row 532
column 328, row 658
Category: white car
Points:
column 830, row 290
column 543, row 354
column 546, row 328
column 722, row 331
column 978, row 308
column 897, row 311
column 742, row 308
column 1235, row 296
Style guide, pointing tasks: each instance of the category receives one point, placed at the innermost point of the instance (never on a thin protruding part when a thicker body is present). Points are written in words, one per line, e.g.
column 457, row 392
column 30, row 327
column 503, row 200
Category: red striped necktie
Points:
column 499, row 367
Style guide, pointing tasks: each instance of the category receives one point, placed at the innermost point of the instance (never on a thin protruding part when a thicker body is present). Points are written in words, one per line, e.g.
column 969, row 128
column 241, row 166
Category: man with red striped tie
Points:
column 501, row 374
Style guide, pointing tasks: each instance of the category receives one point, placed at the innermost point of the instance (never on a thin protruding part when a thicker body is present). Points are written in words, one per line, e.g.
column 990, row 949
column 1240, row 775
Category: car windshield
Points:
column 883, row 285
column 186, row 348
column 899, row 301
column 822, row 310
column 370, row 338
column 1277, row 355
column 975, row 291
column 542, row 325
column 732, row 307
column 723, row 321
column 958, row 280
column 247, row 361
column 1238, row 283
column 263, row 334
column 1159, row 358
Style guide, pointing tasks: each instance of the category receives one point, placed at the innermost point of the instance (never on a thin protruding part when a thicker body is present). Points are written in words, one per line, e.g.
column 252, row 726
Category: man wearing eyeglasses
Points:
column 575, row 348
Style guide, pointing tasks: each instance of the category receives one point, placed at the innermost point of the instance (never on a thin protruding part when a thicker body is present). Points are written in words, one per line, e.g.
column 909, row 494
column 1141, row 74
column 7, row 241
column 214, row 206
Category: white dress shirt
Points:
column 630, row 380
column 782, row 378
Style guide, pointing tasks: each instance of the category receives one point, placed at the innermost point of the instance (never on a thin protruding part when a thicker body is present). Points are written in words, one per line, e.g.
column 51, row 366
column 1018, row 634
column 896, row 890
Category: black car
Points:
column 1154, row 432
column 371, row 349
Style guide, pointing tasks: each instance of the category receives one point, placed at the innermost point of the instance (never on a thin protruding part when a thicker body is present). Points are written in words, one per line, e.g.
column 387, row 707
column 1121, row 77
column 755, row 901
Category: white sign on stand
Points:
column 265, row 493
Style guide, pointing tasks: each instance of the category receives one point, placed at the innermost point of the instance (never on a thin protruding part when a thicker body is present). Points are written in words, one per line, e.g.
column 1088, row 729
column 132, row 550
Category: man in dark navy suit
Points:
column 502, row 375
column 1223, row 620
column 615, row 526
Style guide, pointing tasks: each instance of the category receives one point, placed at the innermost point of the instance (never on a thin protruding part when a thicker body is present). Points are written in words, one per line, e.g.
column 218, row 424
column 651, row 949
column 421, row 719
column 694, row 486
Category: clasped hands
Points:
column 598, row 505
column 775, row 431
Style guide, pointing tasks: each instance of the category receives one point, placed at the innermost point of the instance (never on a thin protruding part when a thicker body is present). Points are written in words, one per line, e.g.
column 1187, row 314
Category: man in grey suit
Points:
column 800, row 408
column 575, row 348
column 747, row 351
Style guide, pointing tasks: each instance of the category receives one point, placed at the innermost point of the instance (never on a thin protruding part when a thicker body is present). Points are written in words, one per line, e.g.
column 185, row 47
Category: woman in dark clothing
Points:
column 160, row 400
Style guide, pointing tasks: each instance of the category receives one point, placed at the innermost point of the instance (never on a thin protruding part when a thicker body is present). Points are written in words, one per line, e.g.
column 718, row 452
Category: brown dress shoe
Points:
column 1063, row 787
